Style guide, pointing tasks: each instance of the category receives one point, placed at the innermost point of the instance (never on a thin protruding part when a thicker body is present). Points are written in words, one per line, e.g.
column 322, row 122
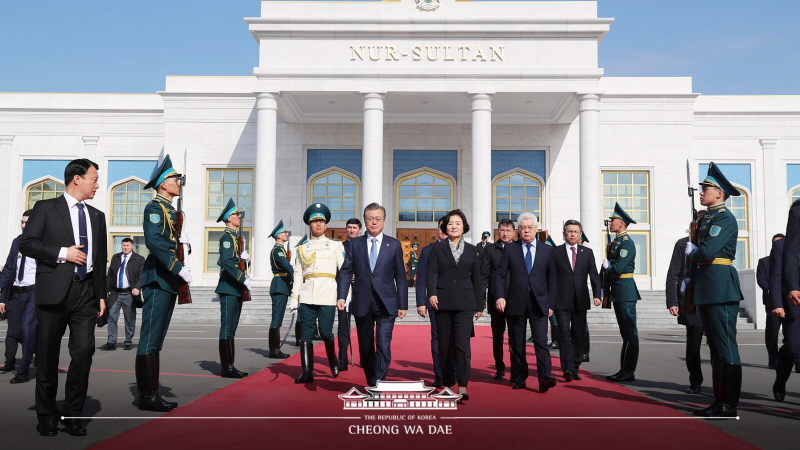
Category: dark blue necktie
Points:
column 528, row 258
column 83, row 234
column 122, row 270
column 21, row 273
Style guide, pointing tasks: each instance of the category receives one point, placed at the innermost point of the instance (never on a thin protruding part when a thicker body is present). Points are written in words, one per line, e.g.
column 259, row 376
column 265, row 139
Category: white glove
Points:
column 689, row 248
column 184, row 239
column 292, row 305
column 606, row 263
column 684, row 283
column 186, row 274
column 245, row 256
column 247, row 284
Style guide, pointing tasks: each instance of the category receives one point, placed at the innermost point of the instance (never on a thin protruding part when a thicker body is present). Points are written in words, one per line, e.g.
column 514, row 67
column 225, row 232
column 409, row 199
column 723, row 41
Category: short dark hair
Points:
column 353, row 221
column 505, row 223
column 572, row 222
column 373, row 206
column 77, row 167
column 446, row 219
column 27, row 213
column 127, row 239
column 778, row 236
column 441, row 221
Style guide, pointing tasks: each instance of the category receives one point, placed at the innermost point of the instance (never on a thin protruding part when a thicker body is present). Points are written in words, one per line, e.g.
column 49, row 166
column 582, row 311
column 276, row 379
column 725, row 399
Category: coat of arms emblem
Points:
column 427, row 5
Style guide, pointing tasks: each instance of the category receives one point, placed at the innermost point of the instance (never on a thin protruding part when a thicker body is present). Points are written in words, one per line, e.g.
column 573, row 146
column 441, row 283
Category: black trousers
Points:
column 771, row 336
column 343, row 329
column 498, row 336
column 374, row 331
column 454, row 331
column 572, row 329
column 694, row 340
column 516, row 338
column 78, row 311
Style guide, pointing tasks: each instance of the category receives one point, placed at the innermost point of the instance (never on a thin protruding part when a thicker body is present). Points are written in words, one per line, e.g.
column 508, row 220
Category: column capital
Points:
column 267, row 100
column 481, row 101
column 768, row 144
column 588, row 102
column 6, row 139
column 90, row 140
column 373, row 100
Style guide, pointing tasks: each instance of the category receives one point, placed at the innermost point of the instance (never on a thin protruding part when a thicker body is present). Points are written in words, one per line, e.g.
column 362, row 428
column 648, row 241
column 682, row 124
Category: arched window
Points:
column 516, row 193
column 423, row 197
column 127, row 203
column 739, row 207
column 43, row 190
column 338, row 191
column 631, row 189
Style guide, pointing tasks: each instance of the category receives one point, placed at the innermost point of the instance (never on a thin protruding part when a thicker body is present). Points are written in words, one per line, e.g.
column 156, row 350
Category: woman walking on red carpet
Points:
column 454, row 276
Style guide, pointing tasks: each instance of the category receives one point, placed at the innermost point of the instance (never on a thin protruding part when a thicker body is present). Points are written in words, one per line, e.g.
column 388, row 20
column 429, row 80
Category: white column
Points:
column 90, row 153
column 481, row 219
column 591, row 206
column 265, row 181
column 773, row 197
column 372, row 153
column 11, row 210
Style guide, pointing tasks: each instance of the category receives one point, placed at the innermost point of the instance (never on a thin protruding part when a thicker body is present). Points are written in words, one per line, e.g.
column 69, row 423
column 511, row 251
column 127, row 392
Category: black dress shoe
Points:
column 693, row 389
column 47, row 429
column 499, row 374
column 518, row 384
column 513, row 378
column 576, row 376
column 437, row 382
column 74, row 427
column 585, row 358
column 567, row 376
column 108, row 346
column 19, row 378
column 547, row 383
column 464, row 397
column 624, row 376
column 277, row 354
column 779, row 391
column 7, row 368
column 127, row 346
column 709, row 411
column 553, row 345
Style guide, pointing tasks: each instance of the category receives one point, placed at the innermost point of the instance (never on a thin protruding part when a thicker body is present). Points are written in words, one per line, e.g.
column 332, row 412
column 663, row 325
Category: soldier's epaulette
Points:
column 624, row 238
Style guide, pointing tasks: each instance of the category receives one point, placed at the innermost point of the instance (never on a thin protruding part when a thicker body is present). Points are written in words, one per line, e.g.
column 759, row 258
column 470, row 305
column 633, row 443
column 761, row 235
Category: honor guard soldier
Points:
column 624, row 293
column 413, row 261
column 314, row 291
column 232, row 282
column 280, row 288
column 161, row 277
column 716, row 290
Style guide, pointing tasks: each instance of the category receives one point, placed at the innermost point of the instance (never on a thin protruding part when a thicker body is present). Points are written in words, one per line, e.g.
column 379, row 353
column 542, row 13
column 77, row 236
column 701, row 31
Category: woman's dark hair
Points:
column 446, row 220
column 77, row 167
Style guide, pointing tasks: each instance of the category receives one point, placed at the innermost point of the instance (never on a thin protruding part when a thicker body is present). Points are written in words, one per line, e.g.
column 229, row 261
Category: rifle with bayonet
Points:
column 688, row 293
column 604, row 275
column 184, row 294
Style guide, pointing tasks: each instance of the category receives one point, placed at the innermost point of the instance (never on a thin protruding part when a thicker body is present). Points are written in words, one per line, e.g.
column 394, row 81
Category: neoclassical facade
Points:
column 422, row 108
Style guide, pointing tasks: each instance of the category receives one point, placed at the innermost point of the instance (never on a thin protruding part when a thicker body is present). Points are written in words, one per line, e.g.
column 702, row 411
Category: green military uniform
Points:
column 717, row 294
column 229, row 288
column 413, row 261
column 279, row 291
column 160, row 282
column 624, row 295
column 314, row 292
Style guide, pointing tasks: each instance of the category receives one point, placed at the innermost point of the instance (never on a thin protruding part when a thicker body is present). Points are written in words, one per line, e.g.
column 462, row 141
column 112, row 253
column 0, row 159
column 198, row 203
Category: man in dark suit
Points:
column 424, row 305
column 574, row 265
column 786, row 305
column 124, row 281
column 18, row 282
column 531, row 294
column 67, row 238
column 353, row 227
column 491, row 261
column 483, row 243
column 675, row 303
column 380, row 291
column 773, row 322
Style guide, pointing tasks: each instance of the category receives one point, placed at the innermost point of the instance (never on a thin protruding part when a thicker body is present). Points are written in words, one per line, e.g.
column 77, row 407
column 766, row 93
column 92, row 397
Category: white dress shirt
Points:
column 125, row 283
column 569, row 253
column 525, row 249
column 29, row 276
column 379, row 237
column 73, row 214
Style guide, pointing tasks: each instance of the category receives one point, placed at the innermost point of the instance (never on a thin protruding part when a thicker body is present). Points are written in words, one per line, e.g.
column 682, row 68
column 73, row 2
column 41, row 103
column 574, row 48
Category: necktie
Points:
column 574, row 258
column 84, row 239
column 528, row 258
column 373, row 254
column 21, row 273
column 122, row 270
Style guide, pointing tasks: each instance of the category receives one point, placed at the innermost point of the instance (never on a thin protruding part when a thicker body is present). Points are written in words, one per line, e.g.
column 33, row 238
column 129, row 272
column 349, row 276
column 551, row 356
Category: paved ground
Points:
column 190, row 361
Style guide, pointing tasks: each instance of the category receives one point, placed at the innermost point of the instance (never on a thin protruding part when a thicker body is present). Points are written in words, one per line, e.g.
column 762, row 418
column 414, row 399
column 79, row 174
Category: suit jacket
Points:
column 573, row 292
column 542, row 282
column 482, row 248
column 49, row 228
column 491, row 261
column 387, row 281
column 9, row 273
column 133, row 269
column 762, row 278
column 458, row 286
column 422, row 277
column 791, row 251
column 676, row 273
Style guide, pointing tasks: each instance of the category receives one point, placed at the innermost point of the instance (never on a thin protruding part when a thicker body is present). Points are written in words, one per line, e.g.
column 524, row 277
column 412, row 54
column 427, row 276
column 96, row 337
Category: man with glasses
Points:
column 491, row 261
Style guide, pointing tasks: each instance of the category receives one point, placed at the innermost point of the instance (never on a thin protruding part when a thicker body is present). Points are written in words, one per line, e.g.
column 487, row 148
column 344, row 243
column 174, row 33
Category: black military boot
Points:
column 298, row 332
column 621, row 361
column 783, row 371
column 275, row 343
column 226, row 356
column 714, row 408
column 730, row 389
column 333, row 361
column 307, row 362
column 147, row 383
column 158, row 382
column 630, row 360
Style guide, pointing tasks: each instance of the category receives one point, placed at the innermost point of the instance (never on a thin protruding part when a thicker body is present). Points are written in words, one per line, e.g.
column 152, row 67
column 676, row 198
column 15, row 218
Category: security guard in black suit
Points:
column 789, row 307
column 280, row 288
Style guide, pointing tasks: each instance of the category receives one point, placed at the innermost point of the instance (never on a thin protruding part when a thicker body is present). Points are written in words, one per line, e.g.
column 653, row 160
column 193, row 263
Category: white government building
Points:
column 491, row 107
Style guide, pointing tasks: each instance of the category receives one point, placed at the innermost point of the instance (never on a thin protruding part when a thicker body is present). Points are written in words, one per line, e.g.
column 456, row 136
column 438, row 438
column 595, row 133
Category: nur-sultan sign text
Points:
column 427, row 52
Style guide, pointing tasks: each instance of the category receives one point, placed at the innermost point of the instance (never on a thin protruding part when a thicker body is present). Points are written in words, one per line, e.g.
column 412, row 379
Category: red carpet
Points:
column 273, row 412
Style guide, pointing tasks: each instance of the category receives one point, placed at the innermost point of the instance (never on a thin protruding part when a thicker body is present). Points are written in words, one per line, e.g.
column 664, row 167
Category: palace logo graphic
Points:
column 400, row 395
